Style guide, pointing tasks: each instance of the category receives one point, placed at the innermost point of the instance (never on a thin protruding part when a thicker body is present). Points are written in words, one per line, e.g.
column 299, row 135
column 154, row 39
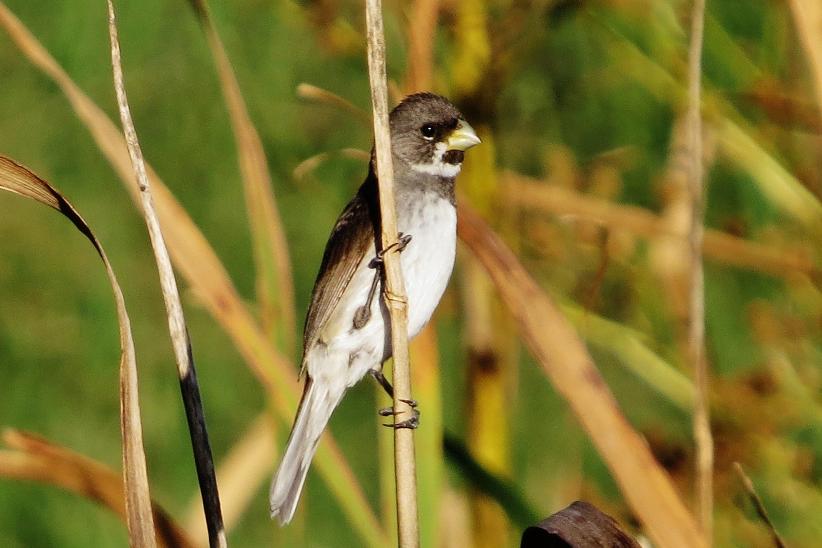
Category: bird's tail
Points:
column 313, row 414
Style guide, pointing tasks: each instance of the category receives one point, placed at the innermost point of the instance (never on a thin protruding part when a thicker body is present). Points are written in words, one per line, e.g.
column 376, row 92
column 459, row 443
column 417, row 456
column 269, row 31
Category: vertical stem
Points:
column 696, row 328
column 421, row 29
column 395, row 296
column 189, row 389
column 807, row 16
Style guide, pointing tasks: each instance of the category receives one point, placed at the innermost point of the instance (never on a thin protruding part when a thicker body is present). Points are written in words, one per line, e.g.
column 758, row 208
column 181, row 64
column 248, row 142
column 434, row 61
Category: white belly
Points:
column 346, row 354
column 428, row 259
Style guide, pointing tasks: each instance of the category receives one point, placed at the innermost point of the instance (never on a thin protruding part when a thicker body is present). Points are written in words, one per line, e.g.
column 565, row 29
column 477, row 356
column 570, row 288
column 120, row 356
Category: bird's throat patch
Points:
column 453, row 157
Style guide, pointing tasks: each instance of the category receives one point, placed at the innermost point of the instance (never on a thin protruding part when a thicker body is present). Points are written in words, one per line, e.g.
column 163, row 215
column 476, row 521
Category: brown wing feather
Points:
column 355, row 230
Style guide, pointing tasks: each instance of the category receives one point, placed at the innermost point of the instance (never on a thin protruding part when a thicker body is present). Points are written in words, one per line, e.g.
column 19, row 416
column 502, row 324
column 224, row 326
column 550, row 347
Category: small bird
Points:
column 345, row 334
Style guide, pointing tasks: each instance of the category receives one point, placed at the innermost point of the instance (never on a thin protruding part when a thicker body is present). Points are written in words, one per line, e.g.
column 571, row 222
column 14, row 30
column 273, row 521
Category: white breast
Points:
column 428, row 260
column 346, row 354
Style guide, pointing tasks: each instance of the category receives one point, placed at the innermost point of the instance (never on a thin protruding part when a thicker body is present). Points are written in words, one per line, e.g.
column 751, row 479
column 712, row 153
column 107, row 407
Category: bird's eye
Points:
column 428, row 131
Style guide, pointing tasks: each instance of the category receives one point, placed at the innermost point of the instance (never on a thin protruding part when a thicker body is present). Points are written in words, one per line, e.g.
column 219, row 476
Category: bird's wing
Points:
column 356, row 230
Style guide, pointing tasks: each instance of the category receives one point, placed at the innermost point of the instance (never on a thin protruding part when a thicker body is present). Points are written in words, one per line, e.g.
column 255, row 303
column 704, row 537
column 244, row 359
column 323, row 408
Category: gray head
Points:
column 429, row 135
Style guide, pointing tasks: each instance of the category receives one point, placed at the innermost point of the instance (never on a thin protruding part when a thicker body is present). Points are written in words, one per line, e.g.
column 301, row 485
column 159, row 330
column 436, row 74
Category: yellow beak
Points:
column 462, row 138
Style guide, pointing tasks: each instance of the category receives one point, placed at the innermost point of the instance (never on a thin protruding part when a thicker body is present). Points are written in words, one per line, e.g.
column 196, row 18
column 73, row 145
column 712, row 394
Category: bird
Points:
column 347, row 330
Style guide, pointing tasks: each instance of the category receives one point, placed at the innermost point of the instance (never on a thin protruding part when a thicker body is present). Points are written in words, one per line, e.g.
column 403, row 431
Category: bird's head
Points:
column 429, row 135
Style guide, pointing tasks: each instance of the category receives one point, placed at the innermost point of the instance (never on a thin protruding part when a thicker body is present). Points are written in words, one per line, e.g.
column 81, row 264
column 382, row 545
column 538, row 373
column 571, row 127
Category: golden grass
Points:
column 33, row 458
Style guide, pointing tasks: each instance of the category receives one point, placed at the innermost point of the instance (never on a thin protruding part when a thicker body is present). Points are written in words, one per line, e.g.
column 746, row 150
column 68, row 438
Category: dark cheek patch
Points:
column 453, row 157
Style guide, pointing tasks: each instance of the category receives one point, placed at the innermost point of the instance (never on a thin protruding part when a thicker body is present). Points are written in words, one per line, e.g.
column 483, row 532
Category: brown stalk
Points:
column 320, row 95
column 137, row 506
column 33, row 458
column 174, row 308
column 696, row 293
column 421, row 29
column 275, row 286
column 395, row 295
column 200, row 266
column 807, row 16
column 525, row 192
column 557, row 348
column 761, row 511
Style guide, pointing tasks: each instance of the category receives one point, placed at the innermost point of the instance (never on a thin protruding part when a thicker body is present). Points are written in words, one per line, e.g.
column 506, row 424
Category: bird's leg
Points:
column 383, row 382
column 363, row 313
column 413, row 422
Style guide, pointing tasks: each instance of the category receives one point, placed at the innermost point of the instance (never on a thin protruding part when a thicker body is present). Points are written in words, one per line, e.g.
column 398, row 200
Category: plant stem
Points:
column 696, row 327
column 395, row 296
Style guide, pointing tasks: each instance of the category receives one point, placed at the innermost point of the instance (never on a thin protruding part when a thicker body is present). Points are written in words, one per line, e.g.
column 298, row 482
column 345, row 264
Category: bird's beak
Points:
column 462, row 138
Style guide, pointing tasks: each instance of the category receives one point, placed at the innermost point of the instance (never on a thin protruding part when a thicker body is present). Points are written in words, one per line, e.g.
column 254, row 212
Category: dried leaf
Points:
column 19, row 180
column 34, row 458
column 566, row 362
column 580, row 525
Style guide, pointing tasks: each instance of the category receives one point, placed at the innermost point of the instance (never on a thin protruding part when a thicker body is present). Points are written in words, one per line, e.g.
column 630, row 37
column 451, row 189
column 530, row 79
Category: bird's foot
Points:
column 363, row 313
column 398, row 246
column 411, row 423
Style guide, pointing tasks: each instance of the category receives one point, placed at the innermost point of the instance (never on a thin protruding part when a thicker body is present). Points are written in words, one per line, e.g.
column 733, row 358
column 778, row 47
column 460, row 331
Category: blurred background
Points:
column 580, row 106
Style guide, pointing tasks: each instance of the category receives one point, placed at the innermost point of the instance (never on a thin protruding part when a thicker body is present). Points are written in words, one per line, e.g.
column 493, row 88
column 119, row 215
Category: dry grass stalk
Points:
column 202, row 269
column 275, row 286
column 174, row 310
column 33, row 458
column 395, row 295
column 320, row 95
column 761, row 511
column 696, row 294
column 807, row 16
column 421, row 30
column 15, row 178
column 525, row 192
column 241, row 472
column 555, row 345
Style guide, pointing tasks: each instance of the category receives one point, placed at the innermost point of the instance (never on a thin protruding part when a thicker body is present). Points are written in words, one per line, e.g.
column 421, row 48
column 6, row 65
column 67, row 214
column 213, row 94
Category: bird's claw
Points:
column 411, row 423
column 399, row 246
